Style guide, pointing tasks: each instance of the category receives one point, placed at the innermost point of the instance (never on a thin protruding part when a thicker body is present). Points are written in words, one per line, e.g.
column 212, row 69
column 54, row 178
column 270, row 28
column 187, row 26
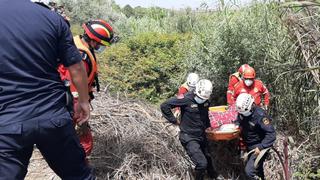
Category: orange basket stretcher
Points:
column 216, row 135
column 222, row 116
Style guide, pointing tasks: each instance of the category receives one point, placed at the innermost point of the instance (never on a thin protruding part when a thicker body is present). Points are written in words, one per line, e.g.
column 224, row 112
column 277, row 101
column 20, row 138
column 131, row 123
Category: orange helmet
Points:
column 243, row 67
column 249, row 73
column 100, row 31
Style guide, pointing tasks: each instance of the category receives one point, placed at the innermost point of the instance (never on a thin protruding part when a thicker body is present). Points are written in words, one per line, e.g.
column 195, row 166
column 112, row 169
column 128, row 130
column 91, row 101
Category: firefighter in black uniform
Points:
column 194, row 120
column 257, row 132
column 33, row 42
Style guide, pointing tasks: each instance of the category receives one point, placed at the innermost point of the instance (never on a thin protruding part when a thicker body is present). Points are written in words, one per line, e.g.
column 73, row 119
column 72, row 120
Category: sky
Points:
column 171, row 4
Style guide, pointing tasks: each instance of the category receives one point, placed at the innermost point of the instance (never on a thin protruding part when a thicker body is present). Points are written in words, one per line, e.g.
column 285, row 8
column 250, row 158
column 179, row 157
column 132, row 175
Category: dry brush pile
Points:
column 133, row 142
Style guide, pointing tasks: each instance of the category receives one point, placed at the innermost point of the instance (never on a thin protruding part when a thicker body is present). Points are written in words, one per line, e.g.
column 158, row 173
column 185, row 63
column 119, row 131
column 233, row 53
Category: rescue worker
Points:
column 53, row 6
column 234, row 79
column 32, row 95
column 98, row 34
column 249, row 84
column 190, row 84
column 194, row 120
column 257, row 132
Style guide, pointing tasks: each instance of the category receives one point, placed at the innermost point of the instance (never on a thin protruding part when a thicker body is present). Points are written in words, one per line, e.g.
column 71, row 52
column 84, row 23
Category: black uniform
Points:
column 257, row 131
column 194, row 121
column 32, row 95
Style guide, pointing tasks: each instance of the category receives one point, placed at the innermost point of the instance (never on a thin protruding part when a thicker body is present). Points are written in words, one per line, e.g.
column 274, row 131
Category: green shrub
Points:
column 148, row 65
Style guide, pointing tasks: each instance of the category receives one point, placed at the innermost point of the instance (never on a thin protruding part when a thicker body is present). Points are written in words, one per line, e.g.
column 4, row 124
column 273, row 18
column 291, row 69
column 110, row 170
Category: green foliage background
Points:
column 144, row 65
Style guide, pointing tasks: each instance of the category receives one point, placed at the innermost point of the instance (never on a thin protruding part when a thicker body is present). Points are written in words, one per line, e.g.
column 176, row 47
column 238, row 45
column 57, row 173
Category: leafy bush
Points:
column 148, row 65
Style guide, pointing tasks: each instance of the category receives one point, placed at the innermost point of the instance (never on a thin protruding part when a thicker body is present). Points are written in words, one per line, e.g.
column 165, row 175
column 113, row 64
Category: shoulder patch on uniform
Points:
column 266, row 121
column 256, row 90
column 206, row 104
column 180, row 96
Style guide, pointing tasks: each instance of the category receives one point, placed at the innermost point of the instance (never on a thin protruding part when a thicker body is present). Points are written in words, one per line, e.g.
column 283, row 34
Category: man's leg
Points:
column 199, row 174
column 84, row 132
column 260, row 172
column 15, row 152
column 210, row 168
column 249, row 169
column 198, row 158
column 86, row 138
column 61, row 148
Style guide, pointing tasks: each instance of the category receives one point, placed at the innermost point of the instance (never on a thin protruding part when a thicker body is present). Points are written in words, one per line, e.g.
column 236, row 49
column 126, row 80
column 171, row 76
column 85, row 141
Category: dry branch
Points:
column 133, row 143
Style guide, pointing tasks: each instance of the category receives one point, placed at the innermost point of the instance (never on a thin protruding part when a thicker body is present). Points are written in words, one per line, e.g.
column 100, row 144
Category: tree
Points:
column 128, row 11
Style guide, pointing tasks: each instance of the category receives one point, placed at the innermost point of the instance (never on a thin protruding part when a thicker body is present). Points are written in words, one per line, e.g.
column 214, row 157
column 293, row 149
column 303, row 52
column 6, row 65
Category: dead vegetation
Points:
column 302, row 21
column 133, row 142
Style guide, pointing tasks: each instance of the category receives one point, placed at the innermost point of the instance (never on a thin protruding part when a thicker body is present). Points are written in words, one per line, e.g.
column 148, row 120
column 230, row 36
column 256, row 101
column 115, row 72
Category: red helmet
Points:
column 243, row 67
column 249, row 73
column 100, row 31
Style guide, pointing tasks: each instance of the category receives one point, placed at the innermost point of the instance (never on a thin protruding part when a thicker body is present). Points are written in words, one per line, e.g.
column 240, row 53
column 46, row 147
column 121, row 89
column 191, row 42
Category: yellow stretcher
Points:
column 218, row 108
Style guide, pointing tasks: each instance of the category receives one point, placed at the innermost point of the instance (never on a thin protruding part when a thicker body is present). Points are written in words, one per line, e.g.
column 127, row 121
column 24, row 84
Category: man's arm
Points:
column 270, row 133
column 266, row 94
column 230, row 93
column 72, row 60
column 79, row 79
column 170, row 104
column 236, row 91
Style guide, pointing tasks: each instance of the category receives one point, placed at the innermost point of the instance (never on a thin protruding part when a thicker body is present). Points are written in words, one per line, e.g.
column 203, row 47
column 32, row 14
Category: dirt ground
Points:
column 38, row 168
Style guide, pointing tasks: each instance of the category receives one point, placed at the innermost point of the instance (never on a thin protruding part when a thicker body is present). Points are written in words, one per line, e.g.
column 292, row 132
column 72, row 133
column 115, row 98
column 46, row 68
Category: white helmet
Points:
column 204, row 89
column 192, row 79
column 244, row 103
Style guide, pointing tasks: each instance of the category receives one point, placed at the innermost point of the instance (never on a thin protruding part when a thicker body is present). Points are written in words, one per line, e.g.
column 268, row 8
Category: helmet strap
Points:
column 86, row 38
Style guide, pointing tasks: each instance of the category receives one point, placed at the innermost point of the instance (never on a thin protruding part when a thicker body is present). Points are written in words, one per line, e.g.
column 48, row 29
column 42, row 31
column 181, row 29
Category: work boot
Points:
column 212, row 173
column 199, row 174
column 210, row 169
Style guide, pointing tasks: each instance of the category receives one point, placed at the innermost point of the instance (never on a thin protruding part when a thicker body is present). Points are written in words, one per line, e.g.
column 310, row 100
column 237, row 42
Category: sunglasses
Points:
column 115, row 39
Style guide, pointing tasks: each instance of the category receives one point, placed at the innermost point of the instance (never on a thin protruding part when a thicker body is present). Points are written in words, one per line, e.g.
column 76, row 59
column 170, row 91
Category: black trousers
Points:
column 196, row 148
column 56, row 139
column 250, row 170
